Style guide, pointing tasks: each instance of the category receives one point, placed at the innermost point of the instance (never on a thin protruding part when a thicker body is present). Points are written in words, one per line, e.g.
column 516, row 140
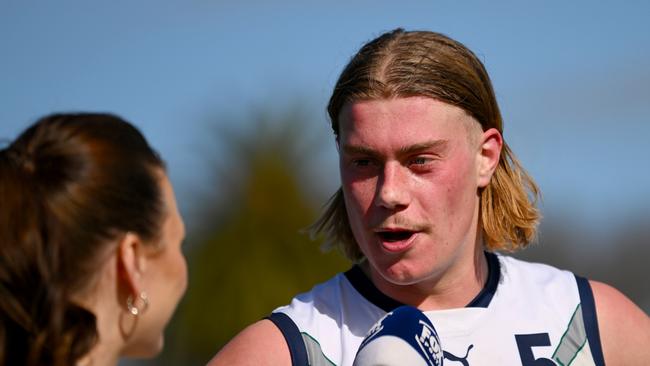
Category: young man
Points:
column 430, row 191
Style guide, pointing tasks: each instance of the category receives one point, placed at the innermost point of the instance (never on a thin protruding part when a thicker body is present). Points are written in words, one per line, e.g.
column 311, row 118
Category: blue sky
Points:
column 572, row 78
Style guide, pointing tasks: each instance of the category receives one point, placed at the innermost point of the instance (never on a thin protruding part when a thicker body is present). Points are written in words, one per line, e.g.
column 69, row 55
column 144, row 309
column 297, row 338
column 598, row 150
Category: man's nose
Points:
column 392, row 187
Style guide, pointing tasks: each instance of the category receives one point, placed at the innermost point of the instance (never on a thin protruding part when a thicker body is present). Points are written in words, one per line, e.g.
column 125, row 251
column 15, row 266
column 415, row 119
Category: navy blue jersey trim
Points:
column 367, row 289
column 483, row 299
column 293, row 337
column 590, row 319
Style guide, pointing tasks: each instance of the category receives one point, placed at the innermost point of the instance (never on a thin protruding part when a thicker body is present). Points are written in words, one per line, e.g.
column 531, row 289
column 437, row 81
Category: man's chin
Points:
column 399, row 273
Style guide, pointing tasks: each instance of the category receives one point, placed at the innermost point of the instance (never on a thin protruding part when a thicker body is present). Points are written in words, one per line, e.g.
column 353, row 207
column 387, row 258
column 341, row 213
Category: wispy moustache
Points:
column 400, row 224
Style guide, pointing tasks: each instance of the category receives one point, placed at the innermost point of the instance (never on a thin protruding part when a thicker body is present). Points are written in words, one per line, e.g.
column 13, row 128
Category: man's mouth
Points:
column 396, row 240
column 395, row 235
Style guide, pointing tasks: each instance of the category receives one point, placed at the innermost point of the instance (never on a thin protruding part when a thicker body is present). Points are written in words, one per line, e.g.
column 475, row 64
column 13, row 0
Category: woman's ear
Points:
column 131, row 263
column 489, row 152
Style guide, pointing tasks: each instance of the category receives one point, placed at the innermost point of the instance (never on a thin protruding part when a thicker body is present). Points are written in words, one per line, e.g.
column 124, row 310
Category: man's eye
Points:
column 419, row 160
column 361, row 162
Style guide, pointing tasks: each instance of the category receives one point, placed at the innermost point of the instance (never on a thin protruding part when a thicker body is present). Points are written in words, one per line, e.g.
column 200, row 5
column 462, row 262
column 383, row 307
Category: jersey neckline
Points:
column 367, row 289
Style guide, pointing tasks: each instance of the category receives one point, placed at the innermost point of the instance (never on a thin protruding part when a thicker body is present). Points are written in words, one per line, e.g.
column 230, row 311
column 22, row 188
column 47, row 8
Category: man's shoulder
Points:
column 618, row 315
column 308, row 324
column 515, row 268
column 333, row 298
column 328, row 322
column 543, row 284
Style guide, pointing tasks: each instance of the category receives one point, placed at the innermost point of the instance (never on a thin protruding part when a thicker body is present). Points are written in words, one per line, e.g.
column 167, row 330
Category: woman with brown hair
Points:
column 91, row 267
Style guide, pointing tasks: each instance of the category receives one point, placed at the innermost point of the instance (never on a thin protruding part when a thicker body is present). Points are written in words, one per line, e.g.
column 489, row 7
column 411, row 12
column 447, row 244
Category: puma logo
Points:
column 462, row 360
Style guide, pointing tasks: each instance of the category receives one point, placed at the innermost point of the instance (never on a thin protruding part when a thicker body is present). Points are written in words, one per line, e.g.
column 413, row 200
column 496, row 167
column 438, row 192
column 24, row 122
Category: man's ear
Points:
column 491, row 143
column 131, row 263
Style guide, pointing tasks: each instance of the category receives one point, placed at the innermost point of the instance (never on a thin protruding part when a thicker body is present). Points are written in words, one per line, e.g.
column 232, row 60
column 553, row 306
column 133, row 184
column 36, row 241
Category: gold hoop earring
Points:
column 133, row 308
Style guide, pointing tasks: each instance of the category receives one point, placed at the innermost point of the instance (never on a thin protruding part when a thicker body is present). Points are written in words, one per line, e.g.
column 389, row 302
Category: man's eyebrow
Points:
column 436, row 145
column 358, row 150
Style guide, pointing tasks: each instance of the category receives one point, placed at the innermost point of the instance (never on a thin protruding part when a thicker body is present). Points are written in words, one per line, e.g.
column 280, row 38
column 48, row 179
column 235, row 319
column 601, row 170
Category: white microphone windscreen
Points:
column 405, row 336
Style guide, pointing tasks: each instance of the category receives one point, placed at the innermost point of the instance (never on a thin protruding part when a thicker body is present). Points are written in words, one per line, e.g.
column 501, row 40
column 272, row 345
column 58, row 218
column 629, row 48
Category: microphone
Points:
column 405, row 336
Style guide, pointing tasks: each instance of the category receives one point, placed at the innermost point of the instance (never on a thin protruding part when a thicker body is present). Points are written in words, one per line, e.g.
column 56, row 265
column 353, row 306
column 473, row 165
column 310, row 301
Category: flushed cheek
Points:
column 357, row 204
column 458, row 194
column 175, row 268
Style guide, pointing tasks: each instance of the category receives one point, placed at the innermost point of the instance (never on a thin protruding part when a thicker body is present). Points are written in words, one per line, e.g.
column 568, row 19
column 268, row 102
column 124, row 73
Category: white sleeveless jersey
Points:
column 526, row 315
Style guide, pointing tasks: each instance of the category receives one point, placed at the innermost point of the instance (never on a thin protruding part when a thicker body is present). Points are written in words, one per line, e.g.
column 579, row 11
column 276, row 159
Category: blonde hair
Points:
column 421, row 63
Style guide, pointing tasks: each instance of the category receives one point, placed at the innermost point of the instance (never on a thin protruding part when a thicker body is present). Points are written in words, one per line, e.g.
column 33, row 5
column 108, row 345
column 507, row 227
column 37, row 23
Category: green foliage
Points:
column 251, row 257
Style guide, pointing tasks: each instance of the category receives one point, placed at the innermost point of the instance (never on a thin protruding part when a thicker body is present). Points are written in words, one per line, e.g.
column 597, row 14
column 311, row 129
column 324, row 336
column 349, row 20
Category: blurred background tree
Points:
column 249, row 254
